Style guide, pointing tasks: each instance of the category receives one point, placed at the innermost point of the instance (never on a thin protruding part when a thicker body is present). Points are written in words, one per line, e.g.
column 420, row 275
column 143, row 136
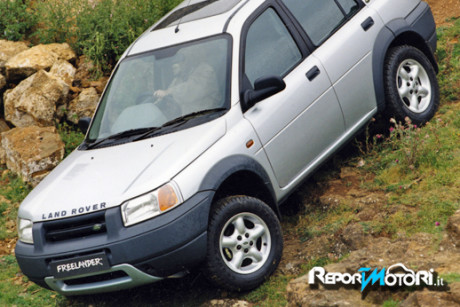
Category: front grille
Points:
column 76, row 227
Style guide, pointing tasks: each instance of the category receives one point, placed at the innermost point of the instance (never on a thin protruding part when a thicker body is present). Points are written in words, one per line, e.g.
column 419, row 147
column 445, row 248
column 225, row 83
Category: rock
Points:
column 36, row 58
column 84, row 105
column 299, row 293
column 9, row 49
column 64, row 71
column 85, row 67
column 453, row 228
column 63, row 51
column 32, row 152
column 455, row 291
column 2, row 82
column 415, row 252
column 353, row 236
column 100, row 84
column 226, row 303
column 428, row 298
column 3, row 128
column 34, row 101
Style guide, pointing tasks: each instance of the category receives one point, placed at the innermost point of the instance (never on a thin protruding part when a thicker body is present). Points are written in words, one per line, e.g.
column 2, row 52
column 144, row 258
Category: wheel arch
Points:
column 240, row 175
column 396, row 33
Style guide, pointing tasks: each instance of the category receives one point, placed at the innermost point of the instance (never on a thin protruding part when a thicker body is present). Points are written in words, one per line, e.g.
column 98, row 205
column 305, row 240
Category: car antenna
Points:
column 180, row 20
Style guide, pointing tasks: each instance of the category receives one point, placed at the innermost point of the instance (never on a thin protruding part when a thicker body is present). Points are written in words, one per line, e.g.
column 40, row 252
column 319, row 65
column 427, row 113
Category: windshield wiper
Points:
column 178, row 121
column 185, row 118
column 121, row 135
column 142, row 133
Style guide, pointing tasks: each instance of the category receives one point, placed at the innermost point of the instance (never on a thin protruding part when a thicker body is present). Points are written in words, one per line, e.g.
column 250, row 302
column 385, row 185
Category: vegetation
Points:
column 100, row 29
column 71, row 137
column 16, row 20
column 419, row 166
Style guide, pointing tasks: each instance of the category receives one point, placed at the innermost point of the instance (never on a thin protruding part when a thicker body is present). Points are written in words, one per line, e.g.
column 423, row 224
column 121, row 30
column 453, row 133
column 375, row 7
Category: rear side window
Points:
column 320, row 18
column 270, row 48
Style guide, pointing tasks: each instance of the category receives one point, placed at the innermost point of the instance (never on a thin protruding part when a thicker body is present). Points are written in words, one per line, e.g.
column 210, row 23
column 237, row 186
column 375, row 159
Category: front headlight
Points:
column 149, row 205
column 25, row 231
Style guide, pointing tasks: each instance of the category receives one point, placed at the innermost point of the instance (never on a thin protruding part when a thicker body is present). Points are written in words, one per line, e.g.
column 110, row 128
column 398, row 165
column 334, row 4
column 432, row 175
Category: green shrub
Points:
column 56, row 23
column 15, row 19
column 102, row 30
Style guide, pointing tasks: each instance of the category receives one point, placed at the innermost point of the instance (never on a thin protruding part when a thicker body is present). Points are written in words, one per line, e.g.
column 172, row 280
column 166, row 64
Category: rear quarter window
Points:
column 320, row 18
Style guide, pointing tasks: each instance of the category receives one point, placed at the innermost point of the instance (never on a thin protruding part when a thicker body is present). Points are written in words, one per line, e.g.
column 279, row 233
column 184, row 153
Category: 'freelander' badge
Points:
column 79, row 265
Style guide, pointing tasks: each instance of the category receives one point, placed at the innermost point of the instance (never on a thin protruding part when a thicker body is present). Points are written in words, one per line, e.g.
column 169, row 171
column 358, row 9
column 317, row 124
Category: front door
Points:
column 298, row 125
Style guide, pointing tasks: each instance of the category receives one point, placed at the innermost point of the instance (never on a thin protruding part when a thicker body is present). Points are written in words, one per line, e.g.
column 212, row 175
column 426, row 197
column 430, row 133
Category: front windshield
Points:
column 152, row 89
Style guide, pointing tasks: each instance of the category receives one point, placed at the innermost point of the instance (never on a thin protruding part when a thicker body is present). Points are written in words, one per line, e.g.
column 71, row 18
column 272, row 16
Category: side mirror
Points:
column 264, row 87
column 83, row 124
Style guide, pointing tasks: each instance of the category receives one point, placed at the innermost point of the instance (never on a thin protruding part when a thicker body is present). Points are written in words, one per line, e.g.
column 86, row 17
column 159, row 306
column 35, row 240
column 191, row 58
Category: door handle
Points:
column 313, row 73
column 368, row 23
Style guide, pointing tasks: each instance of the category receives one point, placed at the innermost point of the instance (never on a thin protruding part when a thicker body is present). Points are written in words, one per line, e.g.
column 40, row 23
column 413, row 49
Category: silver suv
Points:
column 210, row 120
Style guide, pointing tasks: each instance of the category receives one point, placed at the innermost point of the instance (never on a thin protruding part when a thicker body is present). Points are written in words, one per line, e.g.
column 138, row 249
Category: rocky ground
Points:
column 364, row 249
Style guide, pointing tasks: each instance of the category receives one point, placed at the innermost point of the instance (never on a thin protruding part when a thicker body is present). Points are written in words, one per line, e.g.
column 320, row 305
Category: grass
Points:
column 15, row 289
column 421, row 189
column 70, row 136
column 418, row 169
column 450, row 278
column 12, row 191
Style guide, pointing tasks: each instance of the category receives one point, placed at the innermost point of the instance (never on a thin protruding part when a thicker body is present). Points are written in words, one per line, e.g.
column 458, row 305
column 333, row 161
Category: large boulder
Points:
column 63, row 52
column 36, row 58
column 9, row 49
column 3, row 128
column 429, row 298
column 2, row 82
column 35, row 100
column 64, row 71
column 84, row 105
column 85, row 67
column 32, row 152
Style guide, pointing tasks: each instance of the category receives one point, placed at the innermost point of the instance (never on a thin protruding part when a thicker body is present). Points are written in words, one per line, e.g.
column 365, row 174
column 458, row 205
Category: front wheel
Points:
column 411, row 87
column 245, row 243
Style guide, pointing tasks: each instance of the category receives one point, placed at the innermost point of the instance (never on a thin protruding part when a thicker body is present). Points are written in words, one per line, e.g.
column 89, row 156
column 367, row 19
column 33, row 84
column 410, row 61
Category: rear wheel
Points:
column 245, row 243
column 411, row 86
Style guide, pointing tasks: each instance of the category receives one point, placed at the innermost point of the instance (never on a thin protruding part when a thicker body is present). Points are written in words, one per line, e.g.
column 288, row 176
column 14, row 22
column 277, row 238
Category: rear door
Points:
column 342, row 35
column 298, row 125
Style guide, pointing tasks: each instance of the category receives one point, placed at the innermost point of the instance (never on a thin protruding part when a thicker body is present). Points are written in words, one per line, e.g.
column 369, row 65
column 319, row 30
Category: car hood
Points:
column 93, row 180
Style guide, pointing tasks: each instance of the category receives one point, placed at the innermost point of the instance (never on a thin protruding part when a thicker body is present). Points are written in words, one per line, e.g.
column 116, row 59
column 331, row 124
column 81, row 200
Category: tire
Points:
column 411, row 87
column 245, row 243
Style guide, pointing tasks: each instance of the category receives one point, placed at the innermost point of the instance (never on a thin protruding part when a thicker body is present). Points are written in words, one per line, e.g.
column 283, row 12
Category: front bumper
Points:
column 140, row 254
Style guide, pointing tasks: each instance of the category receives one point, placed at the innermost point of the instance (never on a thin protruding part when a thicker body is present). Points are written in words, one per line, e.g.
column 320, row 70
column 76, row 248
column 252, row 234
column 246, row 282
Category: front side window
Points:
column 150, row 90
column 270, row 48
column 320, row 18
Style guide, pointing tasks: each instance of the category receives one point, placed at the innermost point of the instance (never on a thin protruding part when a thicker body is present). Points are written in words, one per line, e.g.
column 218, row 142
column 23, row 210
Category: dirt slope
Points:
column 444, row 10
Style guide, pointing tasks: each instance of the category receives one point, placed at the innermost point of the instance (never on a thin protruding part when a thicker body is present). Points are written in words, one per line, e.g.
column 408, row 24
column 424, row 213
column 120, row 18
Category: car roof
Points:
column 196, row 19
column 193, row 10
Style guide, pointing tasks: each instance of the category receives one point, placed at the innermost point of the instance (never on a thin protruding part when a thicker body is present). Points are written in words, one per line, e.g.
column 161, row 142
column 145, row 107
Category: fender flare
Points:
column 225, row 168
column 419, row 23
